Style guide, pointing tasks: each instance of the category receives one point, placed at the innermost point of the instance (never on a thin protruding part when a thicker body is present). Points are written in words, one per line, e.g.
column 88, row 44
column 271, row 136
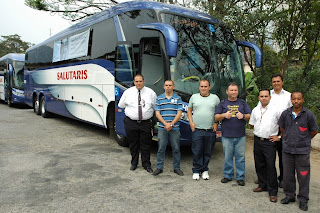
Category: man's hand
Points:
column 239, row 115
column 215, row 127
column 228, row 114
column 168, row 126
column 192, row 126
column 274, row 138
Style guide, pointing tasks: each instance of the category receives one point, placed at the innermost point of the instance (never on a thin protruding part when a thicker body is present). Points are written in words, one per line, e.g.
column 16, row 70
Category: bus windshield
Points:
column 196, row 55
column 18, row 81
column 204, row 53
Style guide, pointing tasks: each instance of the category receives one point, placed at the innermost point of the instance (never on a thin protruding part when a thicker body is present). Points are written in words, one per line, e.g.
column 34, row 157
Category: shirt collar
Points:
column 273, row 92
column 264, row 107
column 138, row 90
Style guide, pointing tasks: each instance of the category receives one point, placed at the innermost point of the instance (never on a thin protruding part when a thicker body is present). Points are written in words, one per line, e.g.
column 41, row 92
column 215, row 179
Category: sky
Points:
column 32, row 25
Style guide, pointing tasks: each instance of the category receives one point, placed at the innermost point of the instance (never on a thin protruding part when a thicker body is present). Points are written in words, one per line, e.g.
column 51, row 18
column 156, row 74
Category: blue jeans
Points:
column 202, row 146
column 163, row 138
column 234, row 147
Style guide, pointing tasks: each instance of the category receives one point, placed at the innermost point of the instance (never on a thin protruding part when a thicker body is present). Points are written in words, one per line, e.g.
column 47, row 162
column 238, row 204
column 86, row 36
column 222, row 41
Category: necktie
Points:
column 139, row 107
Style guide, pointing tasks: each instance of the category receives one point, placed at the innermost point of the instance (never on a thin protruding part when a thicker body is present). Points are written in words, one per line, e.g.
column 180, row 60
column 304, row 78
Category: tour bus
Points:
column 82, row 71
column 11, row 78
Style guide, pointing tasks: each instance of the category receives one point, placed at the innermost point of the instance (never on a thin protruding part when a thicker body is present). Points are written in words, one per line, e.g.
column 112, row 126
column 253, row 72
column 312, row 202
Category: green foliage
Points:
column 309, row 86
column 252, row 90
column 13, row 44
column 270, row 66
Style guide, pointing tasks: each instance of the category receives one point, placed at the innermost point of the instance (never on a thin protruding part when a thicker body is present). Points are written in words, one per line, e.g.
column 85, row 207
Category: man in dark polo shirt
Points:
column 298, row 126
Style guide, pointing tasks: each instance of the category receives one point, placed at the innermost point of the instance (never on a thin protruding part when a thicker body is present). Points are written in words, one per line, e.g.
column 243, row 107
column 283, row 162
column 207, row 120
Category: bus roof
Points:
column 13, row 56
column 125, row 7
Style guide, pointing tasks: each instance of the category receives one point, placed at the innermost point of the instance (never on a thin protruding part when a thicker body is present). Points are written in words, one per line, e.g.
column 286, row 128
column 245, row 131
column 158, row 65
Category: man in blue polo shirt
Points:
column 168, row 111
column 298, row 126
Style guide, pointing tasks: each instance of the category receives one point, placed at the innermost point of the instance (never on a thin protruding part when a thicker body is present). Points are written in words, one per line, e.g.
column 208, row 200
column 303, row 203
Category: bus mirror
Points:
column 168, row 32
column 257, row 51
column 10, row 68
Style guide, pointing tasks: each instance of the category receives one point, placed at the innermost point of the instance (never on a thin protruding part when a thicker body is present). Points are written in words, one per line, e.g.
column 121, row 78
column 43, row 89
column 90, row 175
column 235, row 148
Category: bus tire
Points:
column 36, row 107
column 43, row 111
column 111, row 124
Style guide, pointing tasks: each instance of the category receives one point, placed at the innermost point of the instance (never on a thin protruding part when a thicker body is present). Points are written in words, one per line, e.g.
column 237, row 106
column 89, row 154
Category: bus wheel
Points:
column 44, row 112
column 120, row 139
column 36, row 107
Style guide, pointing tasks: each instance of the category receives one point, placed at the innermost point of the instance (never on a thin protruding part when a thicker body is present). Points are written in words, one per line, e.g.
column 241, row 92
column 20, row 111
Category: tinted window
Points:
column 31, row 59
column 130, row 20
column 44, row 56
column 104, row 40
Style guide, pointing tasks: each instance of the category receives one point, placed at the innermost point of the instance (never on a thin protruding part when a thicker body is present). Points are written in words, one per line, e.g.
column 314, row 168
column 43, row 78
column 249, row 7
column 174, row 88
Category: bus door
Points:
column 152, row 64
column 2, row 80
column 9, row 82
column 124, row 72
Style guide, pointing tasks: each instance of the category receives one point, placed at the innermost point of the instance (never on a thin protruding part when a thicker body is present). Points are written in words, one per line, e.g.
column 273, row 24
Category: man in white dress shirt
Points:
column 264, row 119
column 282, row 100
column 139, row 103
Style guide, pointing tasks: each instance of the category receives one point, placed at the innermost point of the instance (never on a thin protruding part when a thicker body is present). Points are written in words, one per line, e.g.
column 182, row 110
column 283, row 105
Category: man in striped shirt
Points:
column 168, row 111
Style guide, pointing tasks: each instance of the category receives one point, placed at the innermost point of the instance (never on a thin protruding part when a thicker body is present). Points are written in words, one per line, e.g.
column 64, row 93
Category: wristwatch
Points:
column 279, row 136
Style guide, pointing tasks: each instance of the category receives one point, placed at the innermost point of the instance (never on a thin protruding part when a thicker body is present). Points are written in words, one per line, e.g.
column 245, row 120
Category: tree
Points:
column 13, row 44
column 73, row 10
column 297, row 31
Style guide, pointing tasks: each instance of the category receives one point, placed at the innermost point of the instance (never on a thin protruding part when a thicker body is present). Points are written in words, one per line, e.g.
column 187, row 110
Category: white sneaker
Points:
column 195, row 176
column 205, row 175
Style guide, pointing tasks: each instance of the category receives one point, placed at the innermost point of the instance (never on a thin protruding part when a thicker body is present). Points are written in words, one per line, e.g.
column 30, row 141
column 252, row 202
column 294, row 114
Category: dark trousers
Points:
column 265, row 158
column 202, row 146
column 279, row 149
column 139, row 138
column 300, row 165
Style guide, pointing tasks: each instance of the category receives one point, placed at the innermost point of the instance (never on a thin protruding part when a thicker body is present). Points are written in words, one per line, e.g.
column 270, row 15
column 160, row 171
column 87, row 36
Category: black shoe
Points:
column 149, row 169
column 225, row 180
column 158, row 171
column 241, row 182
column 287, row 200
column 132, row 168
column 303, row 206
column 280, row 184
column 178, row 171
column 256, row 181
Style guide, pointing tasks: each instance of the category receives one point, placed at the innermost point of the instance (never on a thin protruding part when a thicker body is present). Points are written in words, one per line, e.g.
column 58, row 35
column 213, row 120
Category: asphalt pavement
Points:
column 62, row 165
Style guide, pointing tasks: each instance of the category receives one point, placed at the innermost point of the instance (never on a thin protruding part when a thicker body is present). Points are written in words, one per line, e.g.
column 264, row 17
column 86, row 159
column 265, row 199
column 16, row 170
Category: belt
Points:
column 138, row 121
column 205, row 130
column 262, row 139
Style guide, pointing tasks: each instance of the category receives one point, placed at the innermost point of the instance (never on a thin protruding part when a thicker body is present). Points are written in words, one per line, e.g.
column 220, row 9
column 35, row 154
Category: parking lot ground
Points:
column 62, row 165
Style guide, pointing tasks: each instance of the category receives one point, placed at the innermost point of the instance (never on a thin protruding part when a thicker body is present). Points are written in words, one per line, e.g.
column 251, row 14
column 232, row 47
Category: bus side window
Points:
column 124, row 64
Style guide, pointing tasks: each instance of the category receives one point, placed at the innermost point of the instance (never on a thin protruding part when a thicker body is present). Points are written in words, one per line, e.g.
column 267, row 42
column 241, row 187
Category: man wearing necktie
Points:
column 139, row 103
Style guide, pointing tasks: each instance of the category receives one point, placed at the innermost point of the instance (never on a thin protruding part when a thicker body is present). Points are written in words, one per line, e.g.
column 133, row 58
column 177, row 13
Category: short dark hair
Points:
column 137, row 76
column 297, row 92
column 277, row 75
column 232, row 84
column 264, row 90
column 169, row 80
column 205, row 80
